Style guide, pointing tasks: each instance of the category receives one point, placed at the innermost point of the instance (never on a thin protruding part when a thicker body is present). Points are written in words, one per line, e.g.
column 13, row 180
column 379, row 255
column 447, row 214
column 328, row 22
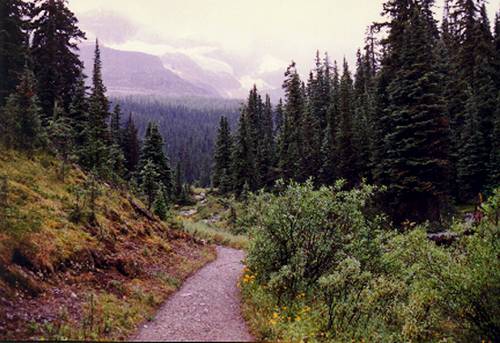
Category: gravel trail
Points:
column 206, row 308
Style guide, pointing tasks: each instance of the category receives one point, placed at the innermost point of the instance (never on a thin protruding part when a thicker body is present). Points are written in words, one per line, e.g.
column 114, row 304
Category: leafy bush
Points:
column 373, row 285
column 301, row 233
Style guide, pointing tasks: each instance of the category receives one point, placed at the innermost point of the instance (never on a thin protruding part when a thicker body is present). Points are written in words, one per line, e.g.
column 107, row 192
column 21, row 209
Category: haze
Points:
column 250, row 40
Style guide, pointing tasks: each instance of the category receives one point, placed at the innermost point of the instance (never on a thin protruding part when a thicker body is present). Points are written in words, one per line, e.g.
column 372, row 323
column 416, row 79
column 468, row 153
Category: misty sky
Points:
column 259, row 35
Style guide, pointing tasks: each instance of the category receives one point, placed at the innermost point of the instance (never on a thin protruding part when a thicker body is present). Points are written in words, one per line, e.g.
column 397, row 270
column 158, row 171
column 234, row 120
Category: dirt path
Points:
column 206, row 308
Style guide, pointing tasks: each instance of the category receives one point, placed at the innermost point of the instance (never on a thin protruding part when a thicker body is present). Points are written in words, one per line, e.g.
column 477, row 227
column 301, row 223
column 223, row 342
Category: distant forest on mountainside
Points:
column 188, row 125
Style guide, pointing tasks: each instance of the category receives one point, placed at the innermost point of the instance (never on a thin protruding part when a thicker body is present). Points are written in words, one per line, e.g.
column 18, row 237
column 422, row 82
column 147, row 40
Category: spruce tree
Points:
column 131, row 147
column 222, row 155
column 13, row 45
column 60, row 132
column 95, row 152
column 115, row 125
column 22, row 113
column 242, row 173
column 310, row 159
column 346, row 153
column 290, row 140
column 78, row 112
column 54, row 48
column 494, row 159
column 178, row 182
column 152, row 151
column 149, row 183
column 160, row 207
column 417, row 158
column 265, row 150
column 327, row 171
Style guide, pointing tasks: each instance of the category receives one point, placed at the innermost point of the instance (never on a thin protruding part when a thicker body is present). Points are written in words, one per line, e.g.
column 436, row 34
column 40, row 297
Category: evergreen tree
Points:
column 417, row 158
column 152, row 151
column 178, row 182
column 327, row 171
column 290, row 144
column 131, row 146
column 149, row 184
column 278, row 119
column 115, row 126
column 241, row 164
column 78, row 112
column 160, row 207
column 61, row 137
column 54, row 49
column 21, row 126
column 265, row 150
column 346, row 153
column 363, row 114
column 472, row 165
column 13, row 45
column 310, row 159
column 494, row 159
column 222, row 155
column 95, row 153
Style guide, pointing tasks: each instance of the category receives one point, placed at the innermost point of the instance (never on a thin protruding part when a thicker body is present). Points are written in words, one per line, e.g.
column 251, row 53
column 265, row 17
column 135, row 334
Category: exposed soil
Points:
column 206, row 308
column 65, row 293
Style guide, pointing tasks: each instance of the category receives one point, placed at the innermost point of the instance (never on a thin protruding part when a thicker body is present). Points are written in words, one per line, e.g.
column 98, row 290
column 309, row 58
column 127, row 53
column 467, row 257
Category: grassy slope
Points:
column 60, row 279
column 211, row 221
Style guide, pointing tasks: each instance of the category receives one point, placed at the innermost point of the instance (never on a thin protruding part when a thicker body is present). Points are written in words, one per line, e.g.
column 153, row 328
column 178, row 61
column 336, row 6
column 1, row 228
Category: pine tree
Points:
column 95, row 153
column 265, row 150
column 310, row 159
column 327, row 171
column 471, row 167
column 178, row 185
column 13, row 45
column 149, row 184
column 494, row 159
column 21, row 123
column 54, row 50
column 346, row 153
column 115, row 126
column 131, row 147
column 78, row 112
column 222, row 155
column 160, row 207
column 152, row 151
column 242, row 173
column 363, row 114
column 290, row 144
column 61, row 137
column 417, row 158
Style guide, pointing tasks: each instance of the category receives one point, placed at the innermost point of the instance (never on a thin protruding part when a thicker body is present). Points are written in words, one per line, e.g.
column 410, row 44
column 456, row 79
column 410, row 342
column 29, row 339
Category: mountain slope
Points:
column 68, row 273
column 130, row 72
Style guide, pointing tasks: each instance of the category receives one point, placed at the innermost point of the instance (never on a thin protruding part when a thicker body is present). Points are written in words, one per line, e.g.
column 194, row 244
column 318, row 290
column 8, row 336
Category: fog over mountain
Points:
column 227, row 46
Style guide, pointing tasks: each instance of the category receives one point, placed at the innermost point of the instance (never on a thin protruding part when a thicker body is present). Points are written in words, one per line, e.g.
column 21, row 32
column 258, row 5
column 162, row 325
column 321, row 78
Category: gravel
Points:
column 206, row 308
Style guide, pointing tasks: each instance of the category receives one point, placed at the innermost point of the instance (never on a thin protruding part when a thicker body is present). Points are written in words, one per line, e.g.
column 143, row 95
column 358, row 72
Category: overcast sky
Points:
column 265, row 33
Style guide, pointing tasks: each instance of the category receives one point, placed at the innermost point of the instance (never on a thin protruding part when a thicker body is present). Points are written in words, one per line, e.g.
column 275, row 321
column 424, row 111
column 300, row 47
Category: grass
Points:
column 53, row 249
column 217, row 236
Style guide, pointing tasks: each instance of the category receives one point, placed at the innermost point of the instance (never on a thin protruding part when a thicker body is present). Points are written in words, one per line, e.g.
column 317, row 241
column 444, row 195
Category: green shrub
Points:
column 372, row 285
column 301, row 234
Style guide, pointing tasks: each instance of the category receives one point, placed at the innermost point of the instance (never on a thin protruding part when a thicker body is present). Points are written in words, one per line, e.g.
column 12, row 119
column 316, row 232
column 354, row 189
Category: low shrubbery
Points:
column 320, row 267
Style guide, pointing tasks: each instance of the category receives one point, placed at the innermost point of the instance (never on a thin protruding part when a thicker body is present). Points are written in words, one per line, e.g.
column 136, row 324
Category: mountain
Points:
column 130, row 72
column 184, row 66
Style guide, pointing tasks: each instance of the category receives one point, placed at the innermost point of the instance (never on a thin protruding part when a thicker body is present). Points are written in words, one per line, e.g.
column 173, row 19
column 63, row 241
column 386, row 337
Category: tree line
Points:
column 45, row 104
column 420, row 116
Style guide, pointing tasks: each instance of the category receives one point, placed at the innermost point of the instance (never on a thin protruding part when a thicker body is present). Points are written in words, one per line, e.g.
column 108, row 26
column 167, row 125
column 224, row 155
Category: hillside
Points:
column 131, row 72
column 68, row 273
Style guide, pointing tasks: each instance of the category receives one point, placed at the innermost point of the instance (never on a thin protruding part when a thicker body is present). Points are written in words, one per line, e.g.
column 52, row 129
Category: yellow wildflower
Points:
column 275, row 315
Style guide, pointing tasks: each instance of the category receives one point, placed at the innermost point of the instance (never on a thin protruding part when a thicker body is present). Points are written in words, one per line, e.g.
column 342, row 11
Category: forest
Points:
column 367, row 200
column 419, row 115
column 189, row 126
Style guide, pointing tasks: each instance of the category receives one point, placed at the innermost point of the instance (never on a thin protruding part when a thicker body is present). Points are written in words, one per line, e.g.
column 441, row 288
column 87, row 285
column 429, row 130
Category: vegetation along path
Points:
column 206, row 308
